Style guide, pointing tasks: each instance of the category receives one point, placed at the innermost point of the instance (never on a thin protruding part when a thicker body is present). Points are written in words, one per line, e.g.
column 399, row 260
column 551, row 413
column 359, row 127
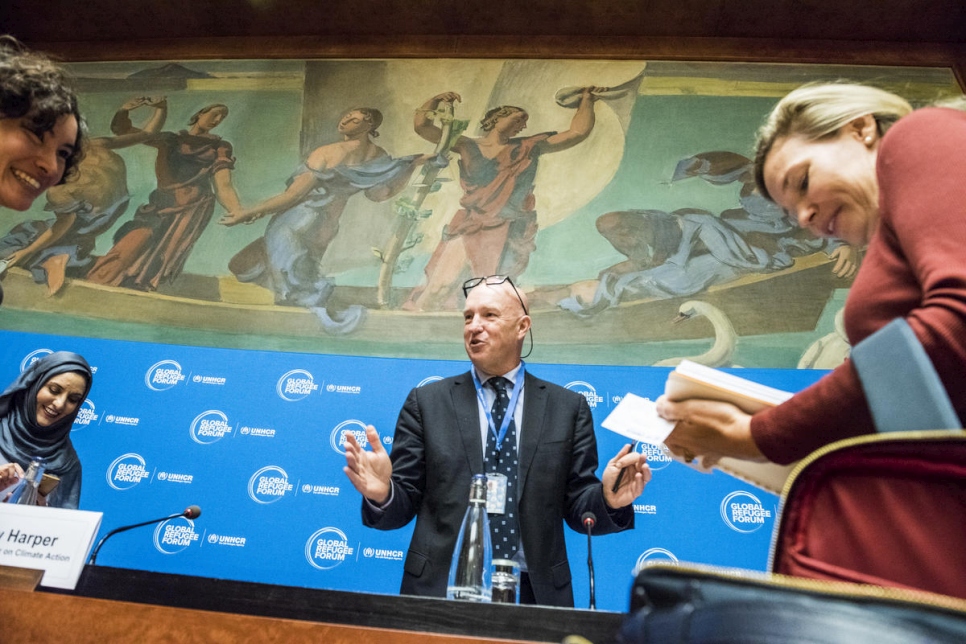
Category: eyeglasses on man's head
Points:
column 492, row 280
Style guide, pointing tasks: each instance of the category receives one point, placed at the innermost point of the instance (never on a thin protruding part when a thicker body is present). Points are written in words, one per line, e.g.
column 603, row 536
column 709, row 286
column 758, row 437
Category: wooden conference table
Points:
column 117, row 604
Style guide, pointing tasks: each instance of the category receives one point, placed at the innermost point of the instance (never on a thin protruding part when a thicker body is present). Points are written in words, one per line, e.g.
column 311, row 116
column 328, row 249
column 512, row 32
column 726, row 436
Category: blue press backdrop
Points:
column 256, row 439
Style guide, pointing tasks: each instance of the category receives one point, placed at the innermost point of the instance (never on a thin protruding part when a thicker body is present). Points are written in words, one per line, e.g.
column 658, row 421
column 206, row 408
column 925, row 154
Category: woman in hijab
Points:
column 37, row 412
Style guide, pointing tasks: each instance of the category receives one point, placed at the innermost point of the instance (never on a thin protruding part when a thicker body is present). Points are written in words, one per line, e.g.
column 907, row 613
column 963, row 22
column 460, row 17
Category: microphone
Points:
column 191, row 512
column 589, row 520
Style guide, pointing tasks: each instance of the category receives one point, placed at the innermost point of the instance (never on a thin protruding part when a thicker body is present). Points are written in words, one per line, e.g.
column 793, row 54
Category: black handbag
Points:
column 706, row 605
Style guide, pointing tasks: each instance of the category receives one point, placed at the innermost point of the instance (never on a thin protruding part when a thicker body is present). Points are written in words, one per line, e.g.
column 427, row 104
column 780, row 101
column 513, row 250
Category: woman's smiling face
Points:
column 59, row 397
column 30, row 161
column 828, row 185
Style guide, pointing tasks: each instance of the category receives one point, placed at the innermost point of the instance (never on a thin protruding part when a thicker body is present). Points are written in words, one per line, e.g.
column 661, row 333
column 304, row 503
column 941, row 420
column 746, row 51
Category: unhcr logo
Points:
column 163, row 375
column 587, row 391
column 209, row 427
column 327, row 548
column 324, row 490
column 267, row 432
column 174, row 477
column 383, row 553
column 127, row 471
column 208, row 380
column 343, row 389
column 743, row 512
column 295, row 385
column 226, row 540
column 122, row 420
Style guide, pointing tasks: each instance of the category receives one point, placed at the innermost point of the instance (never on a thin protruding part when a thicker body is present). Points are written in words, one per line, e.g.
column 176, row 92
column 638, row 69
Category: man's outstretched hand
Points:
column 368, row 470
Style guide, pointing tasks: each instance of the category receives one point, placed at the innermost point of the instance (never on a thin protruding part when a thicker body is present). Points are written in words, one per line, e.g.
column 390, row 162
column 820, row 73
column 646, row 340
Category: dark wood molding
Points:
column 909, row 21
column 578, row 47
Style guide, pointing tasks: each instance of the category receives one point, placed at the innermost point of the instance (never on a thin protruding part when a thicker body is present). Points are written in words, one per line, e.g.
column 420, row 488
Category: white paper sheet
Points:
column 637, row 418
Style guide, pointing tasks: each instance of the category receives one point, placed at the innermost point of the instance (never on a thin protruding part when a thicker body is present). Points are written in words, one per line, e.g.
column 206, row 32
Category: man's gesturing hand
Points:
column 369, row 471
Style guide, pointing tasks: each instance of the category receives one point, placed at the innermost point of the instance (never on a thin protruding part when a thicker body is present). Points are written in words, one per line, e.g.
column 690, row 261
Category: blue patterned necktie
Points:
column 504, row 528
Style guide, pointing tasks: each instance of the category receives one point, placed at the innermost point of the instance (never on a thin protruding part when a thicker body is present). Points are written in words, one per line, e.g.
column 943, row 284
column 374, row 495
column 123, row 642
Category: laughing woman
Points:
column 37, row 412
column 40, row 125
column 858, row 164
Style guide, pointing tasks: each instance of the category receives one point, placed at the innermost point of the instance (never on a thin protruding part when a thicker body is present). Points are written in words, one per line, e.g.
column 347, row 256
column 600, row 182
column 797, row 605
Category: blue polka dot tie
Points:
column 504, row 528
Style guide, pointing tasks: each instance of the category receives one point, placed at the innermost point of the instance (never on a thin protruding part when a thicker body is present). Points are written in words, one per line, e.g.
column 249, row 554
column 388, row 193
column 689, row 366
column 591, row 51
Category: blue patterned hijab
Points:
column 21, row 438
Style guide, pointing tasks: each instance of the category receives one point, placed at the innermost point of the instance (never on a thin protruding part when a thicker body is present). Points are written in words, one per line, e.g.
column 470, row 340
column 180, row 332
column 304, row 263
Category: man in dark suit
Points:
column 451, row 429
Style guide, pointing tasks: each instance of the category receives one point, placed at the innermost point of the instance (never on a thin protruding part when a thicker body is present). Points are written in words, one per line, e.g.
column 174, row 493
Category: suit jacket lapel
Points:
column 468, row 420
column 534, row 410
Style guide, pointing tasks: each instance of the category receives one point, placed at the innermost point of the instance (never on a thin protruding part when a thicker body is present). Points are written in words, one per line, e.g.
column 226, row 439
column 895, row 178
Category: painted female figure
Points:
column 194, row 169
column 286, row 258
column 494, row 232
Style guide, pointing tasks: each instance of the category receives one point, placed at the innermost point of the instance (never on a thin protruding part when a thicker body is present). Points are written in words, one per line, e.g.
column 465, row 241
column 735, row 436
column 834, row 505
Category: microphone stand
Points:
column 97, row 548
column 589, row 520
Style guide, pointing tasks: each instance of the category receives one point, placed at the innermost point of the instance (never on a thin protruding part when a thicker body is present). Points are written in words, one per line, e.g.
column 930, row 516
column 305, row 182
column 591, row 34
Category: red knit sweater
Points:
column 915, row 268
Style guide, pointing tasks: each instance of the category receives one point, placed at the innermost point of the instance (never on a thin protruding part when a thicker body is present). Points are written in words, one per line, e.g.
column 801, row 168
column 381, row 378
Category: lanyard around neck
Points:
column 498, row 436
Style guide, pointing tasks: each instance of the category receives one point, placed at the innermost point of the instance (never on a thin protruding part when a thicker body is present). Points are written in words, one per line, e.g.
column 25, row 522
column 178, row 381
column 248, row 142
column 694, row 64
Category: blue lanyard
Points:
column 511, row 408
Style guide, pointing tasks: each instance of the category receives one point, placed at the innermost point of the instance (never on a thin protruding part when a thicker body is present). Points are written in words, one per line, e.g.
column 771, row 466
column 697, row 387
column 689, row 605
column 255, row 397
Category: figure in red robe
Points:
column 494, row 231
column 193, row 168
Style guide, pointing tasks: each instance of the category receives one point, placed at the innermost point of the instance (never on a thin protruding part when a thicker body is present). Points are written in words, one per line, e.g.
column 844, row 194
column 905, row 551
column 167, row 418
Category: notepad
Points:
column 692, row 380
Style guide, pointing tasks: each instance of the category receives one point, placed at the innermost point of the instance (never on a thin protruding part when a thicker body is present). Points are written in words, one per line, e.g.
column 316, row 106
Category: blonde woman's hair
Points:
column 816, row 111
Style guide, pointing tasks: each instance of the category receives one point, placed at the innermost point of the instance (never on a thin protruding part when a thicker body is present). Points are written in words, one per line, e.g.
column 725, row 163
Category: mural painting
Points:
column 337, row 206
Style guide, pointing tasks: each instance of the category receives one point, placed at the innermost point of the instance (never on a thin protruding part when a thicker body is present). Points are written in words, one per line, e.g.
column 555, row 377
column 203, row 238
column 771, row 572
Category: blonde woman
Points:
column 856, row 163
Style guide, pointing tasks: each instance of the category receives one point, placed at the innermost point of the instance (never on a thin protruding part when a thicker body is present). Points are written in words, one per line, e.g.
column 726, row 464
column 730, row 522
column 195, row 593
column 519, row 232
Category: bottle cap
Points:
column 504, row 565
column 478, row 488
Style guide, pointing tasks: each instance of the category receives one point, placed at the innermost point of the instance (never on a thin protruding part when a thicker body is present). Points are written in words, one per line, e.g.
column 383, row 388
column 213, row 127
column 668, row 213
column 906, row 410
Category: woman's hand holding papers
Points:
column 708, row 430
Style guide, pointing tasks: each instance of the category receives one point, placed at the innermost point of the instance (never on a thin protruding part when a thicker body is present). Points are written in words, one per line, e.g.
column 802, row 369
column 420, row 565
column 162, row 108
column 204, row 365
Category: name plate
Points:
column 54, row 540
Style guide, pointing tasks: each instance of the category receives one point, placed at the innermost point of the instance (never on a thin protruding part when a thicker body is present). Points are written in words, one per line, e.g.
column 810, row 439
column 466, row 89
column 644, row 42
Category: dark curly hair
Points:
column 488, row 122
column 34, row 88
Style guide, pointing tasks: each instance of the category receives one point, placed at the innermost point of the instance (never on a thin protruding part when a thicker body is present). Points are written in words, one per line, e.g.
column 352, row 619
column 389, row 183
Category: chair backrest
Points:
column 889, row 508
column 884, row 509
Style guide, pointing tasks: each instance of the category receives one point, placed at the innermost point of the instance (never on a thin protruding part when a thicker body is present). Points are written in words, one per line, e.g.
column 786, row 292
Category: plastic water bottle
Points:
column 26, row 492
column 469, row 574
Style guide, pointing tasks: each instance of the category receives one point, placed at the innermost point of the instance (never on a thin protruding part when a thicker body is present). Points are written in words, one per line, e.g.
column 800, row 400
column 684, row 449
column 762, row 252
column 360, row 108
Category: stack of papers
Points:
column 636, row 417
